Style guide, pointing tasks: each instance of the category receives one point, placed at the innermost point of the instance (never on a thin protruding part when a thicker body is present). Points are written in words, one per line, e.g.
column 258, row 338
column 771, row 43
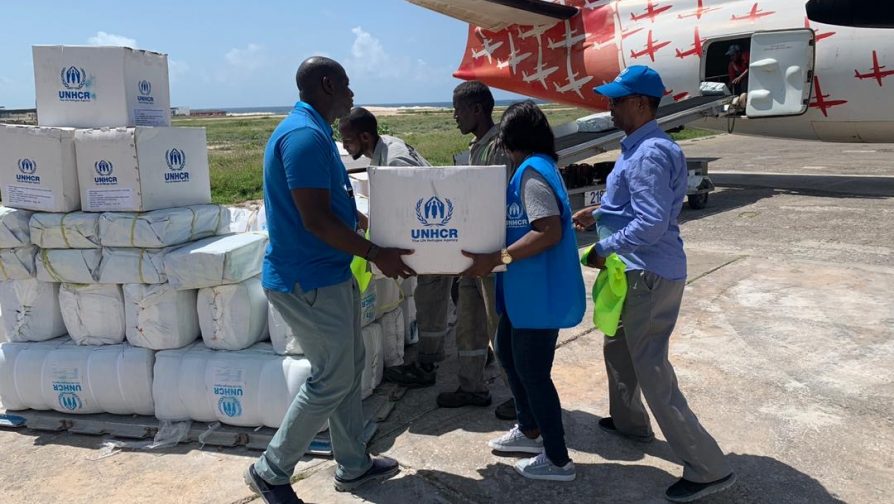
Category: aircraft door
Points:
column 780, row 73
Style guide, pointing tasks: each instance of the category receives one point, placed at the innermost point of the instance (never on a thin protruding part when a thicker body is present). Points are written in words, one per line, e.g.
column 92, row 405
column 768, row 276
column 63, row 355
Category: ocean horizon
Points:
column 284, row 109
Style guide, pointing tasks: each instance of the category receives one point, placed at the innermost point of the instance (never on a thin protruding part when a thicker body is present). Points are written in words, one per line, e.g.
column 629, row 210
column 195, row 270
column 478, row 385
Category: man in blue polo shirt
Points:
column 312, row 222
column 637, row 220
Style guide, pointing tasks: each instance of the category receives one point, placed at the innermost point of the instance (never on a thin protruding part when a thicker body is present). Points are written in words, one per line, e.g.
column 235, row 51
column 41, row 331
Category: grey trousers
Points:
column 476, row 324
column 636, row 361
column 326, row 322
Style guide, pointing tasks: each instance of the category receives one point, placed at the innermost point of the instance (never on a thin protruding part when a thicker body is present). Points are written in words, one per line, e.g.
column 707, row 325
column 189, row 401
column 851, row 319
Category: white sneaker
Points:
column 515, row 441
column 540, row 468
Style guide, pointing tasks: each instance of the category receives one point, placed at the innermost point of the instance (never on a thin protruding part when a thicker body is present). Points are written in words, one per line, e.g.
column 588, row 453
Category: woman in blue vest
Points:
column 541, row 291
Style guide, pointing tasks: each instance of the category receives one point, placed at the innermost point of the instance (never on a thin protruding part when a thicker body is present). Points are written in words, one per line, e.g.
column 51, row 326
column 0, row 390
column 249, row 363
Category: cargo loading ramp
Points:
column 574, row 144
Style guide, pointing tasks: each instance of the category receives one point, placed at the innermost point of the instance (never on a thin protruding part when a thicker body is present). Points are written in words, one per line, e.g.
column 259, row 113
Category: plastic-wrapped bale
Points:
column 14, row 230
column 30, row 310
column 388, row 295
column 75, row 230
column 283, row 338
column 93, row 313
column 18, row 263
column 59, row 375
column 248, row 388
column 393, row 338
column 160, row 317
column 233, row 317
column 411, row 330
column 374, row 368
column 219, row 260
column 133, row 265
column 69, row 265
column 159, row 228
column 243, row 220
column 408, row 287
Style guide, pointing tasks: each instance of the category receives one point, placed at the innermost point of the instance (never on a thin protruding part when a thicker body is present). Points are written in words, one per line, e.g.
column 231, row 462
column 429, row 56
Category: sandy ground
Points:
column 784, row 348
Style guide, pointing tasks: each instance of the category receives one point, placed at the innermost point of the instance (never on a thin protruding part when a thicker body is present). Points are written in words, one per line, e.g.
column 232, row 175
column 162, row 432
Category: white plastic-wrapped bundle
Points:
column 219, row 260
column 159, row 228
column 69, row 265
column 14, row 231
column 75, row 230
column 393, row 337
column 133, row 265
column 249, row 388
column 93, row 313
column 233, row 317
column 283, row 338
column 30, row 310
column 18, row 263
column 160, row 317
column 375, row 368
column 411, row 330
column 59, row 375
column 243, row 220
column 408, row 287
column 388, row 295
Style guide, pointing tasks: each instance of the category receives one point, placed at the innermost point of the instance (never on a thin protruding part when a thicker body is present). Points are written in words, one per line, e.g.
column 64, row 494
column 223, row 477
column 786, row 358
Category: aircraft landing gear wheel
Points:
column 698, row 201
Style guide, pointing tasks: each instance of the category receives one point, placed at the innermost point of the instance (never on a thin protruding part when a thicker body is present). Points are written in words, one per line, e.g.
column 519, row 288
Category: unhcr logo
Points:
column 27, row 170
column 74, row 81
column 70, row 402
column 229, row 406
column 145, row 88
column 434, row 214
column 515, row 216
column 176, row 161
column 104, row 171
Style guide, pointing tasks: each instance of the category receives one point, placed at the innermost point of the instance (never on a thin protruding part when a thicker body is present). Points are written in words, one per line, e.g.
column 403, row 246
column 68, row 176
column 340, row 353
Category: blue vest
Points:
column 545, row 291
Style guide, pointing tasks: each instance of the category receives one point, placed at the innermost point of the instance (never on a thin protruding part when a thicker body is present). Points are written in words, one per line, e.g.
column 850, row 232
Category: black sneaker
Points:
column 608, row 425
column 506, row 410
column 410, row 376
column 462, row 398
column 382, row 468
column 272, row 494
column 688, row 491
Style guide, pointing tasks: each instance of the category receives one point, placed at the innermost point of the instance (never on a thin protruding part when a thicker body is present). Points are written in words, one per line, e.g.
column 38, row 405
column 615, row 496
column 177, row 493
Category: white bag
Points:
column 14, row 231
column 393, row 338
column 18, row 263
column 75, row 230
column 159, row 228
column 69, row 265
column 30, row 310
column 374, row 368
column 233, row 317
column 133, row 266
column 243, row 220
column 93, row 313
column 159, row 317
column 214, row 261
column 388, row 295
column 368, row 300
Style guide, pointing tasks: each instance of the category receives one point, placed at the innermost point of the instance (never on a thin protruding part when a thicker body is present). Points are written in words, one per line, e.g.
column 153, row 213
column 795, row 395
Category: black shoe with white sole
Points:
column 382, row 468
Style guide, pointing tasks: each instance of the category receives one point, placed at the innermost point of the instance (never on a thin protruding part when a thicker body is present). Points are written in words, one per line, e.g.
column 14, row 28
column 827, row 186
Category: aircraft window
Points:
column 857, row 13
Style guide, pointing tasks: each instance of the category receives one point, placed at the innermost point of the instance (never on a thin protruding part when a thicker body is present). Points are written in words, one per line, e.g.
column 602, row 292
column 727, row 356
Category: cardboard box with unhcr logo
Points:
column 37, row 168
column 95, row 87
column 142, row 169
column 438, row 212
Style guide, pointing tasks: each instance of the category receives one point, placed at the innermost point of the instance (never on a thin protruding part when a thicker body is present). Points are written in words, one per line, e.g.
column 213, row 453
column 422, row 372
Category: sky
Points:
column 228, row 53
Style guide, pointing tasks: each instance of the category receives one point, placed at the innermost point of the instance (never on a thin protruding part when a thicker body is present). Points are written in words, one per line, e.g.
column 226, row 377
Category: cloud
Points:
column 249, row 59
column 369, row 58
column 177, row 69
column 110, row 39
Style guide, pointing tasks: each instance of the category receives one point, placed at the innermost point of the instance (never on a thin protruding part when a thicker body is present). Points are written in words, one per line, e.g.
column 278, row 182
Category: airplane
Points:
column 876, row 72
column 651, row 48
column 699, row 12
column 795, row 108
column 514, row 57
column 570, row 38
column 696, row 47
column 573, row 84
column 487, row 49
column 651, row 12
column 753, row 15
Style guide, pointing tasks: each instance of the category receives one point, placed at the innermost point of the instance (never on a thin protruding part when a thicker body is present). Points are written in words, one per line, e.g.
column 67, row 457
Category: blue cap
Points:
column 633, row 80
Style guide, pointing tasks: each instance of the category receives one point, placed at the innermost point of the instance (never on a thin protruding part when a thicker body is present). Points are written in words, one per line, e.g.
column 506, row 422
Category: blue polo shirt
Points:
column 301, row 154
column 643, row 197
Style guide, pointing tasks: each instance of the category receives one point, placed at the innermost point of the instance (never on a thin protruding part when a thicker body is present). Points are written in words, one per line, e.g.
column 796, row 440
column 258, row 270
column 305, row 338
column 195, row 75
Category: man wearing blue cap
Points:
column 637, row 220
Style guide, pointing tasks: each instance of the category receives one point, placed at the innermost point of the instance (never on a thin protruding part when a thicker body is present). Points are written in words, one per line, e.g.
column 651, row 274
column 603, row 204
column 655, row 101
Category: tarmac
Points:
column 784, row 348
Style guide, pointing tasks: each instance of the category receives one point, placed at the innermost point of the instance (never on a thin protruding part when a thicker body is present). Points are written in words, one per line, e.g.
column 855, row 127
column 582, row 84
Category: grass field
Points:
column 236, row 145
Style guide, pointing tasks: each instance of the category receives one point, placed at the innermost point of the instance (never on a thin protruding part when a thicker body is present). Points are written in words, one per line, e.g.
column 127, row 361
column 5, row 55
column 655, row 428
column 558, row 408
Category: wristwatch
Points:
column 505, row 258
column 372, row 252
